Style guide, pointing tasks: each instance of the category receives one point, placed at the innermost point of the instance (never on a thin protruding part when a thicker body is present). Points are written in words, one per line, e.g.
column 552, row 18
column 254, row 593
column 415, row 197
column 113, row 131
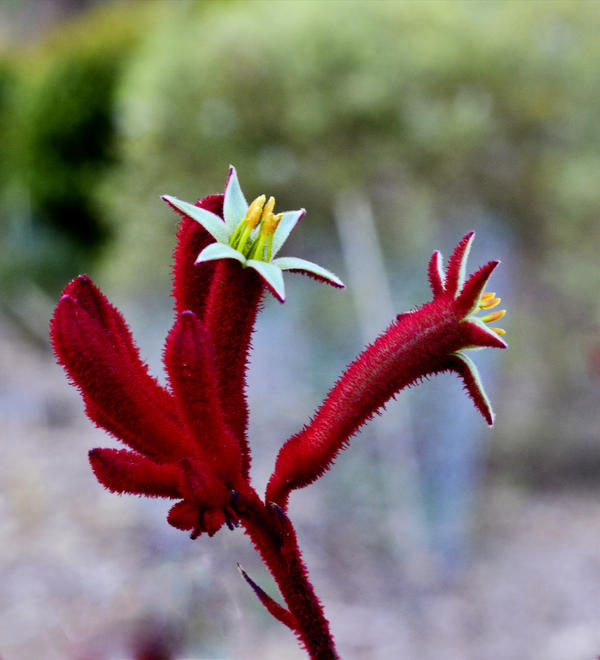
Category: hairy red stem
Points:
column 274, row 537
column 414, row 346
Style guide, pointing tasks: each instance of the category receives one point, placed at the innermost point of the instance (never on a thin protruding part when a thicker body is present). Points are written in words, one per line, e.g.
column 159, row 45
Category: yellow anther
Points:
column 255, row 211
column 491, row 302
column 269, row 206
column 494, row 316
column 487, row 301
column 267, row 225
column 275, row 224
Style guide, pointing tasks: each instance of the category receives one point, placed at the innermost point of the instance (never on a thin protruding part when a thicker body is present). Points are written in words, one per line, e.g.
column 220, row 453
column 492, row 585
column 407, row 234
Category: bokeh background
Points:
column 399, row 126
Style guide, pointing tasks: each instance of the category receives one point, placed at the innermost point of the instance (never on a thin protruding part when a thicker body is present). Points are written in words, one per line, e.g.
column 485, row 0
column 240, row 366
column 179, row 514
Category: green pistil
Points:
column 258, row 248
column 269, row 247
column 235, row 237
column 242, row 245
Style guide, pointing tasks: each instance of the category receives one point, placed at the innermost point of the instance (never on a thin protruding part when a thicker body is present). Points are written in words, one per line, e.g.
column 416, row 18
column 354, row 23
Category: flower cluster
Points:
column 189, row 441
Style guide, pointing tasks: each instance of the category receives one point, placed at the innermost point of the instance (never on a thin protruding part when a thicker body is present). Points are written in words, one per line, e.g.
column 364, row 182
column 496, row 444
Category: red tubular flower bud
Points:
column 113, row 385
column 90, row 298
column 190, row 362
column 123, row 471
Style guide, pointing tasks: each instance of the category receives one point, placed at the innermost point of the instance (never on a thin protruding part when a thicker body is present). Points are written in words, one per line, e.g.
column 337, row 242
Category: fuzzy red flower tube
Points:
column 189, row 441
column 428, row 340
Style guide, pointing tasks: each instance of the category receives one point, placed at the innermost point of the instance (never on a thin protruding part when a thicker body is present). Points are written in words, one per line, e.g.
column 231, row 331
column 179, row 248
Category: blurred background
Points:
column 399, row 126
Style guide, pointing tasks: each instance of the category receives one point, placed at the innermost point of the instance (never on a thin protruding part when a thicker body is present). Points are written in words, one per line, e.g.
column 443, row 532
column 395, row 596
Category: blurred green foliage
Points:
column 57, row 126
column 445, row 116
column 433, row 110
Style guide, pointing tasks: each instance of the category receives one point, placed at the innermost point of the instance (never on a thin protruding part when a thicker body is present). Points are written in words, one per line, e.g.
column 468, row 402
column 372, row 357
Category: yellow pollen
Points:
column 254, row 212
column 494, row 316
column 498, row 331
column 487, row 296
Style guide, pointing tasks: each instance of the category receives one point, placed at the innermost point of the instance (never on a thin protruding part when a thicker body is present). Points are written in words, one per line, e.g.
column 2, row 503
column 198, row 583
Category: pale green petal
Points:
column 219, row 251
column 294, row 263
column 211, row 222
column 288, row 221
column 234, row 203
column 272, row 276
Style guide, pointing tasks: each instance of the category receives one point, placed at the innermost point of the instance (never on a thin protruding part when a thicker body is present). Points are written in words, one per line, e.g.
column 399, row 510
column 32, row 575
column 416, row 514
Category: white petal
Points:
column 219, row 251
column 288, row 221
column 294, row 263
column 272, row 276
column 234, row 204
column 211, row 222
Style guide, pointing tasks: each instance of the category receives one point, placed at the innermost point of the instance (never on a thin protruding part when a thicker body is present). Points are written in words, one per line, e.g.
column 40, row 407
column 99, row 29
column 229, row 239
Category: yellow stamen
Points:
column 487, row 301
column 254, row 212
column 488, row 304
column 494, row 316
column 241, row 235
column 268, row 225
column 276, row 221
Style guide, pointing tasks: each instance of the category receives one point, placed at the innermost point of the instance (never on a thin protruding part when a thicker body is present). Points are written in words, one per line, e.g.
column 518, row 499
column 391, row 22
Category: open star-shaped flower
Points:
column 253, row 235
column 466, row 299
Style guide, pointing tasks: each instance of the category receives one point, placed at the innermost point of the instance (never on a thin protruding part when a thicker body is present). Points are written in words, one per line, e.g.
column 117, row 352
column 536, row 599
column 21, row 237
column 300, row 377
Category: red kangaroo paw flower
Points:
column 123, row 471
column 252, row 235
column 113, row 384
column 245, row 241
column 272, row 606
column 425, row 341
column 190, row 361
column 191, row 284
